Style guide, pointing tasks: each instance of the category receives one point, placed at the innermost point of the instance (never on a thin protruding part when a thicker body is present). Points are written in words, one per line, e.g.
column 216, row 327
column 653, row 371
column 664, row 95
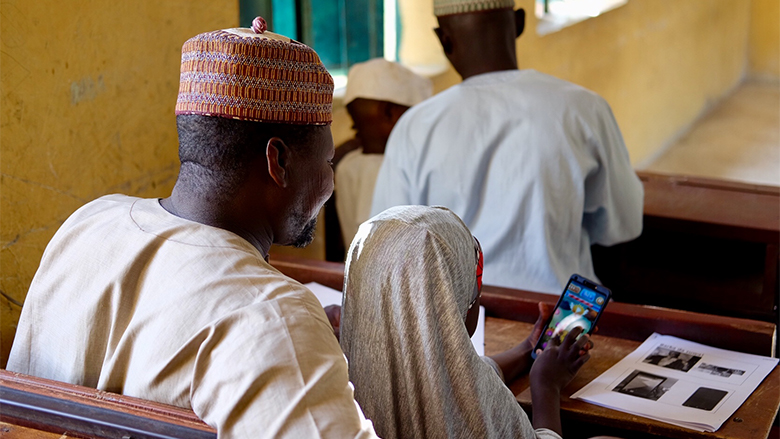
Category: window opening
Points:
column 554, row 15
column 343, row 32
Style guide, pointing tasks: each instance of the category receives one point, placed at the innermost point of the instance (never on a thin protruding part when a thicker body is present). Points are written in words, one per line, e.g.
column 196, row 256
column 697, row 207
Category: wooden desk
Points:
column 623, row 327
column 622, row 320
column 756, row 413
column 708, row 246
column 705, row 206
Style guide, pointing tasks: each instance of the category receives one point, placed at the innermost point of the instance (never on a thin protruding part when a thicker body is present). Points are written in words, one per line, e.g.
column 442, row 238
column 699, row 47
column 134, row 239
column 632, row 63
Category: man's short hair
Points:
column 215, row 152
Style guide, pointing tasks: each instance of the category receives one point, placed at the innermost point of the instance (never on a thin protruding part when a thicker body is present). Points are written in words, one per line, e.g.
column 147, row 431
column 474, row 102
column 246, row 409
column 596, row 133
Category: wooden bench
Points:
column 708, row 246
column 30, row 406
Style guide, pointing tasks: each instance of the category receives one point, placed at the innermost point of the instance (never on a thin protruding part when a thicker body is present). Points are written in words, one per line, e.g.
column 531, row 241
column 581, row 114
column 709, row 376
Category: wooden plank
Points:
column 708, row 246
column 771, row 284
column 712, row 207
column 696, row 273
column 330, row 274
column 637, row 322
column 57, row 407
column 756, row 414
column 622, row 320
column 11, row 431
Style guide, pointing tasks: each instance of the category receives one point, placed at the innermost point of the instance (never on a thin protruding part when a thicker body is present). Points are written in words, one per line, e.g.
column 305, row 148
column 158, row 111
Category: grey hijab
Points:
column 410, row 277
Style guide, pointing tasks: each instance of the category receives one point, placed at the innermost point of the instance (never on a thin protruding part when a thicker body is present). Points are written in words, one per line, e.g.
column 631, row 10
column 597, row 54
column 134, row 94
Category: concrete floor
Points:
column 739, row 140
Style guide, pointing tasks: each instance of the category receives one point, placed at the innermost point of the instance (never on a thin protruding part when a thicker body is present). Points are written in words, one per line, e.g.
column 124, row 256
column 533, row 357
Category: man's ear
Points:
column 445, row 40
column 278, row 156
column 519, row 22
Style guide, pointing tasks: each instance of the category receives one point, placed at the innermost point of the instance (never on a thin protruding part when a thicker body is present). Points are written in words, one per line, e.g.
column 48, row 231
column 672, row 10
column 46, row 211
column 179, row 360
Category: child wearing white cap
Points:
column 378, row 93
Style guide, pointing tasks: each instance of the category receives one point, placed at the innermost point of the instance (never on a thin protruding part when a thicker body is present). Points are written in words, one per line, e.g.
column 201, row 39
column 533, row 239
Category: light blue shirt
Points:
column 534, row 165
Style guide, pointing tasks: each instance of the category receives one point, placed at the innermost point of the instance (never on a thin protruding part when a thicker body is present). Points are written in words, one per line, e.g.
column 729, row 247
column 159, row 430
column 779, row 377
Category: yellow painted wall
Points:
column 88, row 89
column 764, row 49
column 658, row 63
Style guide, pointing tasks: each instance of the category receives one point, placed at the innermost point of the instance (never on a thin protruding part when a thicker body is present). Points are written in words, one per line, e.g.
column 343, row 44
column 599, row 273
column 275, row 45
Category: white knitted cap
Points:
column 383, row 80
column 450, row 7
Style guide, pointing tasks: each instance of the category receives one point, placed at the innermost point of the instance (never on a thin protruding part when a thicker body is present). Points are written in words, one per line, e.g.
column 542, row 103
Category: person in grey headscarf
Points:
column 411, row 297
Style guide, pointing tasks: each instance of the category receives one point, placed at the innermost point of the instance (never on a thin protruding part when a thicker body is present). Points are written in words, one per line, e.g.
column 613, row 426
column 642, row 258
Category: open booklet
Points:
column 329, row 296
column 680, row 382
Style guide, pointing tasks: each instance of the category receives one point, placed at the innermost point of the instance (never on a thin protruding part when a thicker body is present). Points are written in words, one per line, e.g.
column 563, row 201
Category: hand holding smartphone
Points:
column 580, row 305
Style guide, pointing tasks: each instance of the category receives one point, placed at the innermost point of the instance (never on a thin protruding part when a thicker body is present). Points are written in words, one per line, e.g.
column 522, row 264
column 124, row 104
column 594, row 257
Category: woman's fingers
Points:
column 577, row 364
column 555, row 340
column 571, row 338
column 581, row 347
column 583, row 343
column 544, row 313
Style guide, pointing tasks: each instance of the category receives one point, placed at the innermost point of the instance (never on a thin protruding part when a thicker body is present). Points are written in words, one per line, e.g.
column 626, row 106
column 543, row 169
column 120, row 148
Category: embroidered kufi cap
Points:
column 450, row 7
column 383, row 80
column 251, row 74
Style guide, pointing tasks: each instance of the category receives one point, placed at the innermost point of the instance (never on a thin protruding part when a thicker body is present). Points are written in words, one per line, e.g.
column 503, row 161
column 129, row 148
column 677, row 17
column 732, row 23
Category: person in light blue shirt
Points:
column 535, row 166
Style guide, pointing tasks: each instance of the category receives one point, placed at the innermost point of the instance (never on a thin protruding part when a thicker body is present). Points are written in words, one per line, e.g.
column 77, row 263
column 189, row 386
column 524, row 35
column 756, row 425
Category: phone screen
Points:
column 580, row 306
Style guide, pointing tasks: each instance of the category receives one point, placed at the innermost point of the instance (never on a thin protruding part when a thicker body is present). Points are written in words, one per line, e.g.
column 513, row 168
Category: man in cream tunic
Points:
column 173, row 300
column 535, row 166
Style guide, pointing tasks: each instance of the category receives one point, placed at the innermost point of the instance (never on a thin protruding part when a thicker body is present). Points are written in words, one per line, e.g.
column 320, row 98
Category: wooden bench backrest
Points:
column 709, row 246
column 740, row 211
column 57, row 407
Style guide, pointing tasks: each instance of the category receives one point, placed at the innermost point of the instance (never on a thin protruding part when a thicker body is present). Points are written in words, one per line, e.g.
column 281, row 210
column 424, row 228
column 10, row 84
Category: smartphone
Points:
column 581, row 304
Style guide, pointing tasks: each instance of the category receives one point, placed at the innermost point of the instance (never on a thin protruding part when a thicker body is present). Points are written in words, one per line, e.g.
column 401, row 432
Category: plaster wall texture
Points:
column 764, row 48
column 88, row 91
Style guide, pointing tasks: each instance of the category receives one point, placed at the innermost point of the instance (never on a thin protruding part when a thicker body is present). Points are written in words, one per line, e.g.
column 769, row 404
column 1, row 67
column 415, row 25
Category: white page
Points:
column 679, row 381
column 478, row 339
column 329, row 296
column 326, row 295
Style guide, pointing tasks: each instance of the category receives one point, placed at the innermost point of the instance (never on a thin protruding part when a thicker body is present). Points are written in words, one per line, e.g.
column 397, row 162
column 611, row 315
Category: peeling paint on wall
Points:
column 86, row 89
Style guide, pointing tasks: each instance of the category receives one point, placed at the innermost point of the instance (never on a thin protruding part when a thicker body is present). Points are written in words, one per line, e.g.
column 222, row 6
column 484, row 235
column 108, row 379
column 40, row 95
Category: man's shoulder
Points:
column 357, row 159
column 107, row 203
column 103, row 210
column 421, row 117
column 272, row 284
column 509, row 85
column 548, row 84
column 349, row 159
column 432, row 104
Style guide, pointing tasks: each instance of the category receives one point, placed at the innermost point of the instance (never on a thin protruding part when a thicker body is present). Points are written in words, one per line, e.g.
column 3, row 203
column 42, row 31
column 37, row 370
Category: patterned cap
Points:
column 251, row 74
column 451, row 7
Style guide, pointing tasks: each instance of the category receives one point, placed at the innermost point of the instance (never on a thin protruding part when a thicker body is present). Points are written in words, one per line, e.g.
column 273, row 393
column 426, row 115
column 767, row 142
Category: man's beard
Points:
column 306, row 235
